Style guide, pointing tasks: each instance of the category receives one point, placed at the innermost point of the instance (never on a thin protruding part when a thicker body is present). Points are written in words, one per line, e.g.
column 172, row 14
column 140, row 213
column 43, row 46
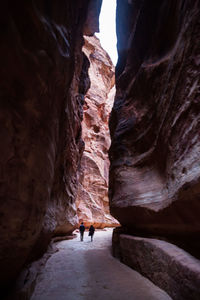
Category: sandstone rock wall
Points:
column 40, row 116
column 92, row 200
column 155, row 162
column 168, row 266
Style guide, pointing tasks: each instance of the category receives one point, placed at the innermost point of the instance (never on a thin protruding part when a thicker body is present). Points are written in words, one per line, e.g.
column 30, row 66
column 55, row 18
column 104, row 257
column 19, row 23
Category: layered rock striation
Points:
column 41, row 112
column 92, row 199
column 155, row 162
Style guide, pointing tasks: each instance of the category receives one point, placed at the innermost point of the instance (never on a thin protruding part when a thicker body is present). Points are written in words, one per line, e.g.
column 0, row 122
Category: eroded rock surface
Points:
column 155, row 162
column 40, row 117
column 92, row 200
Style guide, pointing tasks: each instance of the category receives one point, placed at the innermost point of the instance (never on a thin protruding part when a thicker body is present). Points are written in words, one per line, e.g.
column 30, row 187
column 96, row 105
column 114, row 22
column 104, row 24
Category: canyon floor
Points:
column 87, row 270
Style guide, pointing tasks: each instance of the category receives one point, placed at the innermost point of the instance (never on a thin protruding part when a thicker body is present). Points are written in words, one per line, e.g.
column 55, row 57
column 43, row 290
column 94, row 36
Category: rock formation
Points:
column 155, row 163
column 41, row 111
column 92, row 200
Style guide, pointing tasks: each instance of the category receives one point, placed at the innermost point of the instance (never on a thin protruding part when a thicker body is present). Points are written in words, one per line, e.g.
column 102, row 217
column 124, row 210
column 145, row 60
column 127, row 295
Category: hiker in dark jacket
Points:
column 91, row 232
column 81, row 229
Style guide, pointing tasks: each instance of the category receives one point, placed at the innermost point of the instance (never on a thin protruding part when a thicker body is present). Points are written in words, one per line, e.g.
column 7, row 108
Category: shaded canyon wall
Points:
column 41, row 112
column 154, row 188
column 92, row 199
column 155, row 162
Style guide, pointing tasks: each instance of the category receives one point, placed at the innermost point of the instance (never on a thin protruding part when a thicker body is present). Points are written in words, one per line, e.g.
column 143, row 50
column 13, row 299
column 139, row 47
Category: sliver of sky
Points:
column 107, row 33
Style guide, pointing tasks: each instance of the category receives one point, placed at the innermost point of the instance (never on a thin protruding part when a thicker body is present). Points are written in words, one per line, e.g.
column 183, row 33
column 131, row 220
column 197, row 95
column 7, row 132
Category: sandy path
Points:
column 85, row 270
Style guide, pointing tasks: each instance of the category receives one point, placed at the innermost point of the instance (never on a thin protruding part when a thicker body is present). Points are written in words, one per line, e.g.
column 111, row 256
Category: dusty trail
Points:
column 85, row 270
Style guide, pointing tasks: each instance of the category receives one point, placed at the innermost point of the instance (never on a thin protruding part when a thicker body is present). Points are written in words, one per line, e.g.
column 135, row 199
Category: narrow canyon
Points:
column 57, row 96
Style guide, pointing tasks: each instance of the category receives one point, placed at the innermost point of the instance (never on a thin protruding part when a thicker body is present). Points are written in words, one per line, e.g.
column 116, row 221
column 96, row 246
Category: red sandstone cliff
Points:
column 155, row 173
column 154, row 186
column 41, row 111
column 92, row 200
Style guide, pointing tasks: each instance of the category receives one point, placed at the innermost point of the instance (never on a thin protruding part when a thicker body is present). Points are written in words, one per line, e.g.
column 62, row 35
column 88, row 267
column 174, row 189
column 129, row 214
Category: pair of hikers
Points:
column 82, row 229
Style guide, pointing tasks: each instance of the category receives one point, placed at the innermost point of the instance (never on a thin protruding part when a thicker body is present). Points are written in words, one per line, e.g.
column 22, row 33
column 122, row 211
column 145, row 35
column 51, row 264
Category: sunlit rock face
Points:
column 92, row 200
column 41, row 112
column 155, row 122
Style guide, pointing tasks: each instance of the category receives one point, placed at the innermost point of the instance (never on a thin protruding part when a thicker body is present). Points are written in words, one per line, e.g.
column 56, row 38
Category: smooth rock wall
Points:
column 155, row 163
column 41, row 111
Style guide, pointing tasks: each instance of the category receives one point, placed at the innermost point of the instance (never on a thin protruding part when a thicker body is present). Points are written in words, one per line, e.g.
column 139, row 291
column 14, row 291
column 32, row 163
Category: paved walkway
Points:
column 86, row 270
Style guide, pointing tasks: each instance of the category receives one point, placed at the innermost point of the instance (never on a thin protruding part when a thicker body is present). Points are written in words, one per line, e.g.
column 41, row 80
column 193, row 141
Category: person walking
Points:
column 91, row 232
column 81, row 229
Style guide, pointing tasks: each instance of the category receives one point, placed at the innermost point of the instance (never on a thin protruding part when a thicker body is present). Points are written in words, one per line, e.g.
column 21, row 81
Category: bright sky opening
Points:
column 107, row 33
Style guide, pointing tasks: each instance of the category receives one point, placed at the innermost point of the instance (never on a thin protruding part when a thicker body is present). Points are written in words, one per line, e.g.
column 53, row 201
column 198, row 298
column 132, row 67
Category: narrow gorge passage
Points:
column 54, row 176
column 85, row 270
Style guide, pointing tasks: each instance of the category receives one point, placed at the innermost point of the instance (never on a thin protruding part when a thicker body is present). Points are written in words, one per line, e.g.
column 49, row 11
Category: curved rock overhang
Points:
column 155, row 173
column 43, row 81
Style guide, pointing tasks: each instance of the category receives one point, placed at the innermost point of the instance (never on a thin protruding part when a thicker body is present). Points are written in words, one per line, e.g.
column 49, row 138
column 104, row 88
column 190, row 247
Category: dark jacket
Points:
column 82, row 228
column 91, row 230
